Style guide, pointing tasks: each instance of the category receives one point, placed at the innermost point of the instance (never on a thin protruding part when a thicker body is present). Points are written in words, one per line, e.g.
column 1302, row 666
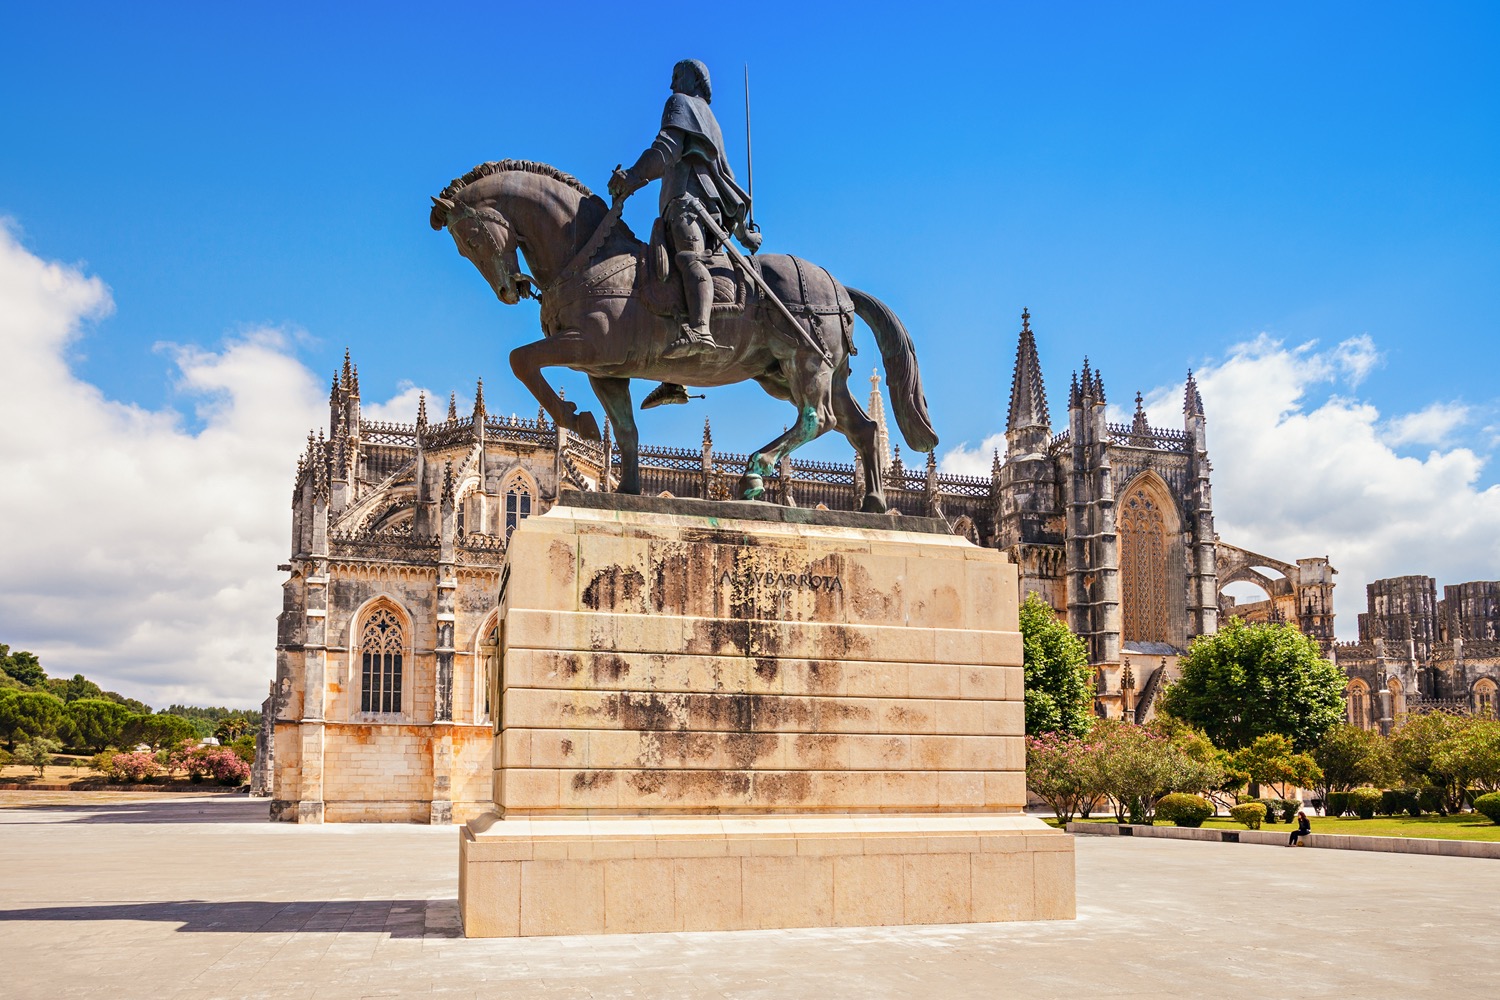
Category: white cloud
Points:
column 1432, row 425
column 140, row 552
column 1292, row 479
column 961, row 460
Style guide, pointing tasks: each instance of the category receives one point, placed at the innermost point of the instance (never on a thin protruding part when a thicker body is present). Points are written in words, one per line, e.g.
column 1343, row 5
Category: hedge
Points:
column 1489, row 806
column 1183, row 810
column 1250, row 814
column 1364, row 801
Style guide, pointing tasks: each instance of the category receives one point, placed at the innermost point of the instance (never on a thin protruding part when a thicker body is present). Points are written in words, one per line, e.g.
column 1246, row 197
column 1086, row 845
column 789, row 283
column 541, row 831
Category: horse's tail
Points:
column 901, row 376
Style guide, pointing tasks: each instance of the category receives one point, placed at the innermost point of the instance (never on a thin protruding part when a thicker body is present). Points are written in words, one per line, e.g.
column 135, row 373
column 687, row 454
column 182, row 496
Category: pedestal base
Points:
column 529, row 877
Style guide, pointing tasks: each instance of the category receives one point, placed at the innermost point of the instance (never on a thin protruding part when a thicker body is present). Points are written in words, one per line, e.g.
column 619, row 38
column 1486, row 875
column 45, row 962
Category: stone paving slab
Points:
column 201, row 898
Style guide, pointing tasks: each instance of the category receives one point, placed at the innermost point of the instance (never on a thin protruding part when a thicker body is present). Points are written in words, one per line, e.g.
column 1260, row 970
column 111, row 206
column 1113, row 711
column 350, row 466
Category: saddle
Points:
column 660, row 289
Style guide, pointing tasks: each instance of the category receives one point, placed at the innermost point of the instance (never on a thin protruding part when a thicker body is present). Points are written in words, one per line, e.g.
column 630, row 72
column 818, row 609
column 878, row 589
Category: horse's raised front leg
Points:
column 614, row 394
column 564, row 351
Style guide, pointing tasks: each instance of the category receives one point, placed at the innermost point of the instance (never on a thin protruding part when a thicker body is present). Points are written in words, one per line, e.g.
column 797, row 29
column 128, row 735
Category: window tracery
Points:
column 517, row 504
column 381, row 643
column 1357, row 699
column 1143, row 566
column 1484, row 699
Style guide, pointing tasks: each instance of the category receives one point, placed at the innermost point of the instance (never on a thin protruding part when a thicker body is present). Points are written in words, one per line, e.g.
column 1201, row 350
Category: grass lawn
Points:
column 1468, row 826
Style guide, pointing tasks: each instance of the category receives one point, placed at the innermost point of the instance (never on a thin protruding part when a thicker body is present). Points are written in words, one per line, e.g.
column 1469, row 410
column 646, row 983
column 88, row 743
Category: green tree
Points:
column 160, row 731
column 1252, row 680
column 1270, row 760
column 34, row 713
column 1350, row 756
column 97, row 723
column 74, row 688
column 1430, row 750
column 23, row 666
column 37, row 752
column 1059, row 688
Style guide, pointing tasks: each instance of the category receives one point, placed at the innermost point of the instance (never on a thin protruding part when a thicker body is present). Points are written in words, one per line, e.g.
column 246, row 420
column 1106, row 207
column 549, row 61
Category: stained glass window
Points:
column 1143, row 567
column 381, row 645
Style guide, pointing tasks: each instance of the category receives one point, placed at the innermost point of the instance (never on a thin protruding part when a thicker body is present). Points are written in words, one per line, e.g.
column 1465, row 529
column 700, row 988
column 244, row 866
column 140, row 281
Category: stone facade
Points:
column 1418, row 653
column 408, row 523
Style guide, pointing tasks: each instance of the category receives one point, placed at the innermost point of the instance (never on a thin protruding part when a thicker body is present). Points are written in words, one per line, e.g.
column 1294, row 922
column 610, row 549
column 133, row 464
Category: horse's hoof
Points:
column 588, row 427
column 872, row 504
column 751, row 487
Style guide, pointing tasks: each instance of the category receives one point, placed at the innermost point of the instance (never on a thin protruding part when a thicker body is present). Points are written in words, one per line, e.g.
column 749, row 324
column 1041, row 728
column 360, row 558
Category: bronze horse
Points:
column 592, row 275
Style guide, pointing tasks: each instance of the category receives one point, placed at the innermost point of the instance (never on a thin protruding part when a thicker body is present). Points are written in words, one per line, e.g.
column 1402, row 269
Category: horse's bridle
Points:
column 525, row 285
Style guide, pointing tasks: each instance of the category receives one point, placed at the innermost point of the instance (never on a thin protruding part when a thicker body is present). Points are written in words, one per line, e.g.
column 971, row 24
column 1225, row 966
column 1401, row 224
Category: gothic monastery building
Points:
column 379, row 707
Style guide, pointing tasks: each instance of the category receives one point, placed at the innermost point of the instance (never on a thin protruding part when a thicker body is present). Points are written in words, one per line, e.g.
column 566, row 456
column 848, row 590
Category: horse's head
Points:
column 488, row 240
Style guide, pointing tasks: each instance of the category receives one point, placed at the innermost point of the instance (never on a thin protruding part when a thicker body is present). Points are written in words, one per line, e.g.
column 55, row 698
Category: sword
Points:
column 717, row 231
column 749, row 161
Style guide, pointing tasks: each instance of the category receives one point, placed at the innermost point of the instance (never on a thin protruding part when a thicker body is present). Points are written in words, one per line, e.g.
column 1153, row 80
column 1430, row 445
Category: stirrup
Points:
column 666, row 394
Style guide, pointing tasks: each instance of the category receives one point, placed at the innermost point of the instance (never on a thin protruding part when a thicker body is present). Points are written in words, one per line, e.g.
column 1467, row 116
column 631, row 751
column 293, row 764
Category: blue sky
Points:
column 1161, row 184
column 1154, row 181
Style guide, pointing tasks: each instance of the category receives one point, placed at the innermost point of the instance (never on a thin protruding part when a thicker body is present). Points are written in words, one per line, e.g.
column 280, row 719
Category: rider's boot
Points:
column 665, row 394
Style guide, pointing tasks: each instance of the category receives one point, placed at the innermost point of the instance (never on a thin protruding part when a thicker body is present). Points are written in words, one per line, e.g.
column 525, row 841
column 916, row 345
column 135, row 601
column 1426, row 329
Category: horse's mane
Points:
column 505, row 166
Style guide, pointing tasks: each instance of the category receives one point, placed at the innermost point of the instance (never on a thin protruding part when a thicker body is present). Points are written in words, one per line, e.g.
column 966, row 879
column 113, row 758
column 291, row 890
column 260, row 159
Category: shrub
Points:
column 135, row 766
column 1251, row 814
column 103, row 762
column 1182, row 809
column 1395, row 801
column 1489, row 806
column 1364, row 801
column 1273, row 809
column 5, row 757
column 244, row 748
column 1289, row 809
column 1337, row 804
column 1431, row 798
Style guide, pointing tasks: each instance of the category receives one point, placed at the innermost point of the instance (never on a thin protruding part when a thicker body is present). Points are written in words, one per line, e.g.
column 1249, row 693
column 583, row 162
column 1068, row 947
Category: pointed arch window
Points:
column 1357, row 700
column 1484, row 699
column 1143, row 566
column 517, row 504
column 381, row 644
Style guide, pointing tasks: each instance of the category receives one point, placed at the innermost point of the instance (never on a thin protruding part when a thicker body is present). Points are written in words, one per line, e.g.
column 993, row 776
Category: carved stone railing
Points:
column 1155, row 438
column 387, row 432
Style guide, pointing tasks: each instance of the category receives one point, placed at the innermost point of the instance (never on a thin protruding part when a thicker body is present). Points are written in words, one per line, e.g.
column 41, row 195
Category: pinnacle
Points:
column 1028, row 393
column 422, row 409
column 452, row 406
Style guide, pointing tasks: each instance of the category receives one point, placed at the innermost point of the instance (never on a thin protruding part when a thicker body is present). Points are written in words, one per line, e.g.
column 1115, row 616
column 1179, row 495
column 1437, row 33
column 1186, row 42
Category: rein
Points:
column 586, row 252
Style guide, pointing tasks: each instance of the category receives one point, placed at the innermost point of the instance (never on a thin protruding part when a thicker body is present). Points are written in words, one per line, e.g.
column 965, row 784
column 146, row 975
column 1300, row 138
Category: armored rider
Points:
column 688, row 157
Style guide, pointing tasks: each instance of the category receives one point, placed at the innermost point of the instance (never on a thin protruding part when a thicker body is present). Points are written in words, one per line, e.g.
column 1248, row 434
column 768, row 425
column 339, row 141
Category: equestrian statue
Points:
column 676, row 310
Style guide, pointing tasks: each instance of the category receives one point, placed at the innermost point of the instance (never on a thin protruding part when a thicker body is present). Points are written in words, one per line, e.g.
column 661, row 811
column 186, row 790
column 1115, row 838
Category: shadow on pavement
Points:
column 220, row 809
column 399, row 918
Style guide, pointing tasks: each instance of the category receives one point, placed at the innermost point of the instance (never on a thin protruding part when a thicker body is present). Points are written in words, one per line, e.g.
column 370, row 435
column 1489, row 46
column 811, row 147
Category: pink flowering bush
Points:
column 136, row 766
column 222, row 763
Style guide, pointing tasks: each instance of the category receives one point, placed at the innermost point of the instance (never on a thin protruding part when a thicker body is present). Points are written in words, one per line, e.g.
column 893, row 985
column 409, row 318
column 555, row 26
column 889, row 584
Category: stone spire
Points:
column 877, row 414
column 1028, row 396
column 348, row 374
column 452, row 406
column 479, row 402
column 708, row 435
column 1192, row 399
column 422, row 409
column 1028, row 428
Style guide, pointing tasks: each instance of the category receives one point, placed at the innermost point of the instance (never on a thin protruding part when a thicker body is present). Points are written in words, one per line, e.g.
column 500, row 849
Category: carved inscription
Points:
column 828, row 583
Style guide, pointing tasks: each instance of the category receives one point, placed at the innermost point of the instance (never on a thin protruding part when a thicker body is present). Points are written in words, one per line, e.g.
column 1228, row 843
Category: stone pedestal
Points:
column 730, row 715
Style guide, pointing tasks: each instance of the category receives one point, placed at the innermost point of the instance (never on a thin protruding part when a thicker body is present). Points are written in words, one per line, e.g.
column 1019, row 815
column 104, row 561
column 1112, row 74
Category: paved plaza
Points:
column 189, row 897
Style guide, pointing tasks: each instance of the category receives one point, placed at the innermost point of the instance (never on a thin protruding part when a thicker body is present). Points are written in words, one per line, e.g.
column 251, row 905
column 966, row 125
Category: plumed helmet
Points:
column 695, row 75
